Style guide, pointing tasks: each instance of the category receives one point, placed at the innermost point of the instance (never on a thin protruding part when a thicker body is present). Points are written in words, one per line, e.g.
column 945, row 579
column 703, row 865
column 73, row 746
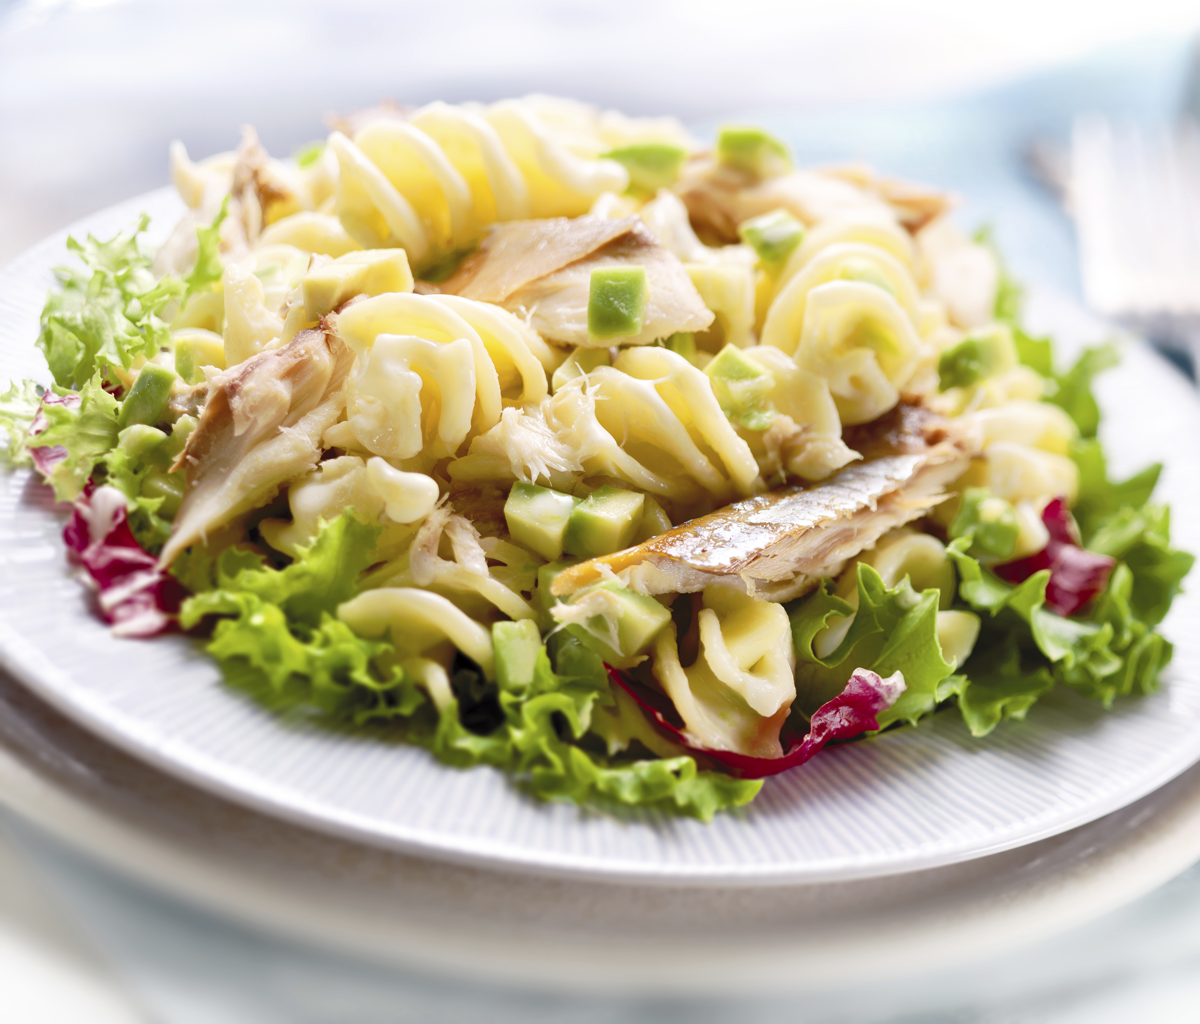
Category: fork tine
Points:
column 1136, row 201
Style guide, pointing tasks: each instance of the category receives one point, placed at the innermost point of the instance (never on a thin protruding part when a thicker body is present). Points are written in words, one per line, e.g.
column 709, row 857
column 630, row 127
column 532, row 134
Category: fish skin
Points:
column 516, row 253
column 541, row 270
column 779, row 544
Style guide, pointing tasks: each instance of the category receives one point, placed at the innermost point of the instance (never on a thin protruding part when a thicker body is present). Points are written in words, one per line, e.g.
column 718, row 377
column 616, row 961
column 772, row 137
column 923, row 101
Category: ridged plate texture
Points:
column 910, row 800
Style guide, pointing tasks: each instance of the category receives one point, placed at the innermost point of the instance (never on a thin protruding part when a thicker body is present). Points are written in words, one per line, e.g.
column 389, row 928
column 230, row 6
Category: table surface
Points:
column 90, row 93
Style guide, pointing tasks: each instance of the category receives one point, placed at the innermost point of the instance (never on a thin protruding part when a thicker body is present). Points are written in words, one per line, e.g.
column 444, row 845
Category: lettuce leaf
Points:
column 1099, row 496
column 1000, row 688
column 1036, row 353
column 208, row 267
column 85, row 430
column 277, row 638
column 1074, row 388
column 1141, row 539
column 18, row 408
column 106, row 313
column 893, row 631
column 1107, row 654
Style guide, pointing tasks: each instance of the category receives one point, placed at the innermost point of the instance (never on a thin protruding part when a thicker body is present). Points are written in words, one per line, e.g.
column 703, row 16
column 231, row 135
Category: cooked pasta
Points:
column 581, row 446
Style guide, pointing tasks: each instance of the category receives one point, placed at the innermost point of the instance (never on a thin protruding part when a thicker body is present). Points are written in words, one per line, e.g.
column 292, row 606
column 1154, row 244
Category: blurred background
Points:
column 959, row 94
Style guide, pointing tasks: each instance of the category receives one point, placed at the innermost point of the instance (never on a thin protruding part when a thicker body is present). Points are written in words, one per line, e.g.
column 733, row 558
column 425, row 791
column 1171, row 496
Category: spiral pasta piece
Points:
column 849, row 261
column 408, row 331
column 434, row 183
column 417, row 620
column 879, row 232
column 859, row 339
column 737, row 694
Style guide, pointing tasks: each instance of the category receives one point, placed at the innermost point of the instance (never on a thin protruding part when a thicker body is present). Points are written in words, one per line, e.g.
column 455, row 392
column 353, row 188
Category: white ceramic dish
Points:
column 912, row 800
column 481, row 927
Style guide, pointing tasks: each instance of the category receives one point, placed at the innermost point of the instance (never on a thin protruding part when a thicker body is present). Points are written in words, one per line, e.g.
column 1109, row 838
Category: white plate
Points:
column 912, row 800
column 478, row 926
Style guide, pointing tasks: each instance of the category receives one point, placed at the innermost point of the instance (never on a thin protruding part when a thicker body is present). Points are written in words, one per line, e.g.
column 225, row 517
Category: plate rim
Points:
column 21, row 659
column 1040, row 893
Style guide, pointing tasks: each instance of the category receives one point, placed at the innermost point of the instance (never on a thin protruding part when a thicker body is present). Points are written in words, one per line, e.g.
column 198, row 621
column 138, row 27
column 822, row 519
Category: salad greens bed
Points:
column 271, row 625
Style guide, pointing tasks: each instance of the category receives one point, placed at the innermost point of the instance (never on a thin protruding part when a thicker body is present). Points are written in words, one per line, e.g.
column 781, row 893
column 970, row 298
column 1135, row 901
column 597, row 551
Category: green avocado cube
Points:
column 605, row 521
column 654, row 521
column 147, row 399
column 169, row 487
column 616, row 302
column 773, row 236
column 537, row 517
column 752, row 150
column 977, row 357
column 741, row 385
column 543, row 599
column 139, row 439
column 990, row 521
column 517, row 645
column 633, row 622
column 651, row 165
column 195, row 348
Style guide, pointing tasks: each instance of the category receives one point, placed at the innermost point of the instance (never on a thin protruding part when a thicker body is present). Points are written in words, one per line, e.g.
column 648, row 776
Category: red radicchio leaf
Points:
column 851, row 713
column 1076, row 574
column 134, row 594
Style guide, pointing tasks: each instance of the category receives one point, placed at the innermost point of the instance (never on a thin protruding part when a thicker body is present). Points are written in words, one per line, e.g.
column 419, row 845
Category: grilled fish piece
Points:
column 260, row 428
column 778, row 545
column 543, row 268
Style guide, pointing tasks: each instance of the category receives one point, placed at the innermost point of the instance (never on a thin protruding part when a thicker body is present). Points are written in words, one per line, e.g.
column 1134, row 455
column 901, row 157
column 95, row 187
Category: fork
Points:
column 1135, row 197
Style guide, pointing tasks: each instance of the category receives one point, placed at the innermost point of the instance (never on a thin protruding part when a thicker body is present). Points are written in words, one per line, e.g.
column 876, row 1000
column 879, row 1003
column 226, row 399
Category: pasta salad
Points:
column 553, row 440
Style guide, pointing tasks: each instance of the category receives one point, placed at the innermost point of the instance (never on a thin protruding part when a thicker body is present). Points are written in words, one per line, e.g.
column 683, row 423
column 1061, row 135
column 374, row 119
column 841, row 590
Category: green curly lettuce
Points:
column 18, row 407
column 86, row 430
column 208, row 268
column 893, row 631
column 277, row 638
column 106, row 313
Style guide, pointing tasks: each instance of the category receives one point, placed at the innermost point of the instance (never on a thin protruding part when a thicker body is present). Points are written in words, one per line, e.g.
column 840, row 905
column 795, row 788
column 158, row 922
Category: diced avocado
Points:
column 752, row 150
column 773, row 236
column 574, row 661
column 605, row 521
column 654, row 521
column 977, row 357
column 169, row 487
column 579, row 362
column 147, row 399
column 180, row 433
column 545, row 579
column 741, row 385
column 309, row 153
column 517, row 645
column 195, row 348
column 651, row 165
column 990, row 521
column 139, row 439
column 631, row 620
column 537, row 517
column 369, row 272
column 683, row 343
column 616, row 302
